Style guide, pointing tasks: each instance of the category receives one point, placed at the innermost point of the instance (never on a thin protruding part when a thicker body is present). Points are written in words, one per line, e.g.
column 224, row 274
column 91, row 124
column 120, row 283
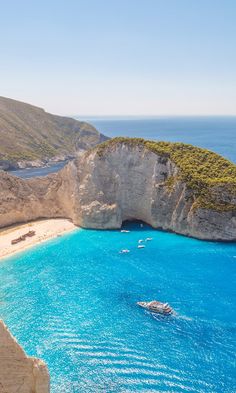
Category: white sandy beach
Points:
column 44, row 230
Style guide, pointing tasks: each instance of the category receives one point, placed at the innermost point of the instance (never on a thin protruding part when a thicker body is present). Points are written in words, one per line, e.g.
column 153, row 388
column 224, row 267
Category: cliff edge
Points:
column 172, row 186
column 18, row 372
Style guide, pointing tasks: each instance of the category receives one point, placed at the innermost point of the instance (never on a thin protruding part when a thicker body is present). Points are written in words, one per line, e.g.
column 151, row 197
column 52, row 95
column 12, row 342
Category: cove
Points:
column 72, row 302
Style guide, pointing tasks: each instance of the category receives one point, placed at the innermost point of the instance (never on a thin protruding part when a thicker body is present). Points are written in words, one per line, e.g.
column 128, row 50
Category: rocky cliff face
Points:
column 123, row 181
column 131, row 182
column 25, row 200
column 18, row 372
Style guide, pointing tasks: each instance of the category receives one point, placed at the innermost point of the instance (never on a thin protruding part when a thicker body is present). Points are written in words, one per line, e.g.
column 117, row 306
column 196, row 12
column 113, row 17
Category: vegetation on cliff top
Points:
column 204, row 171
column 29, row 133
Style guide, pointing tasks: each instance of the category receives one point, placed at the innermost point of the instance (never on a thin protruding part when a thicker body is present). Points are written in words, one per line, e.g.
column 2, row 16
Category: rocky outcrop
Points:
column 18, row 372
column 124, row 181
column 129, row 182
column 26, row 200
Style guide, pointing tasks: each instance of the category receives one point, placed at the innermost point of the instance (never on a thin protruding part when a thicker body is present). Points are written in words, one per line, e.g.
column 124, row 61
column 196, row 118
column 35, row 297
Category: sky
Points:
column 120, row 57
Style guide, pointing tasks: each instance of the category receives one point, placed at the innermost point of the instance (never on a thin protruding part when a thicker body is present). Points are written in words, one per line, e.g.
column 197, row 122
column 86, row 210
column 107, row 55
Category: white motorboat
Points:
column 156, row 307
column 125, row 251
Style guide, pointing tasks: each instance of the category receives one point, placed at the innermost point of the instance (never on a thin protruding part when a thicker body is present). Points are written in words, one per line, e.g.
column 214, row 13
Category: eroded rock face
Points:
column 18, row 372
column 103, row 190
column 25, row 200
column 131, row 182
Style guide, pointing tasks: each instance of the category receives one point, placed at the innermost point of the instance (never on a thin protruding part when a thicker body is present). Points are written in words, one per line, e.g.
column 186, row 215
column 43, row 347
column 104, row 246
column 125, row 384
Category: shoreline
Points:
column 44, row 230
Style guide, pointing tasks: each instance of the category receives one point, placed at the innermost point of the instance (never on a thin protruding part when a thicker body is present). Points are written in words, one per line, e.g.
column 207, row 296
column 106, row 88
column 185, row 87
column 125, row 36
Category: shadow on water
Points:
column 135, row 225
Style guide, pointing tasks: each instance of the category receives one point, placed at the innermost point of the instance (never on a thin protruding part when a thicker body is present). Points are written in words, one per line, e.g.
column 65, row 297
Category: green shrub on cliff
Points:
column 202, row 170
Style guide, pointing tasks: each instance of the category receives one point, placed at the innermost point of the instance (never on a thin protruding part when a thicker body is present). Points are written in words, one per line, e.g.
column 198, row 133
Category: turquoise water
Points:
column 72, row 302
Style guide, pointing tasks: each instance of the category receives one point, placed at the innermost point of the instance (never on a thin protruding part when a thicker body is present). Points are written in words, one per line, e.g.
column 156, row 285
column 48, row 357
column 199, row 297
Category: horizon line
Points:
column 150, row 116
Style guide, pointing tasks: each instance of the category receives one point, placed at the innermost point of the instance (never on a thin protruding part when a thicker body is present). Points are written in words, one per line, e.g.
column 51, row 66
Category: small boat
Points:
column 140, row 240
column 141, row 225
column 125, row 251
column 156, row 307
column 141, row 246
column 148, row 239
column 124, row 231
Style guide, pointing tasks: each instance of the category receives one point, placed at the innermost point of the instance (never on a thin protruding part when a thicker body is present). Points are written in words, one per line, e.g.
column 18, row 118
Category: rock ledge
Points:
column 18, row 372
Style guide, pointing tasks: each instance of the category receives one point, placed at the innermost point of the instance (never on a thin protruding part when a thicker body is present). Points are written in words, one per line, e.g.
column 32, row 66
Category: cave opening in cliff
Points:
column 138, row 224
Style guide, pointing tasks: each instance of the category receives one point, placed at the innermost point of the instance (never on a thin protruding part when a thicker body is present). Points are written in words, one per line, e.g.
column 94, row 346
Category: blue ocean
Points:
column 217, row 133
column 72, row 302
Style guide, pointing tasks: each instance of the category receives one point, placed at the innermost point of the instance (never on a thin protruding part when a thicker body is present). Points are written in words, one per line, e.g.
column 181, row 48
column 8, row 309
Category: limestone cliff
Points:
column 170, row 186
column 47, row 197
column 18, row 372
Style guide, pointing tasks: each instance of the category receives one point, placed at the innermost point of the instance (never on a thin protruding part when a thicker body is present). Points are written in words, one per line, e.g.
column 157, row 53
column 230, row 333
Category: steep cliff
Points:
column 18, row 372
column 171, row 186
column 47, row 197
column 31, row 136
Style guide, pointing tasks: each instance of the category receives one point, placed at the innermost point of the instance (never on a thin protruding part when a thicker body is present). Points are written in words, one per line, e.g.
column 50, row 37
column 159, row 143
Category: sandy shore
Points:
column 44, row 230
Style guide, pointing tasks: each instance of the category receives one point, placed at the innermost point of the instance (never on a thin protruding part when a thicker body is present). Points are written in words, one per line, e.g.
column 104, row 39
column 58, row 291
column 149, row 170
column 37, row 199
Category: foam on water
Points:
column 72, row 302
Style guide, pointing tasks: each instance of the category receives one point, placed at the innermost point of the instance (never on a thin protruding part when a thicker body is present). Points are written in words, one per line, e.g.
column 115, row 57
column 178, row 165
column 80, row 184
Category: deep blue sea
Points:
column 217, row 133
column 72, row 302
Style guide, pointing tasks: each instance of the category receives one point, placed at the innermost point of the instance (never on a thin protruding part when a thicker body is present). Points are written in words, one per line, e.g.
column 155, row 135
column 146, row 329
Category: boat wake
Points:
column 183, row 317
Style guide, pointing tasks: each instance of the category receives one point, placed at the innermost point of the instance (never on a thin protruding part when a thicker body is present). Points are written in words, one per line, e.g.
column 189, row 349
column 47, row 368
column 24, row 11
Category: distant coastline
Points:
column 44, row 138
